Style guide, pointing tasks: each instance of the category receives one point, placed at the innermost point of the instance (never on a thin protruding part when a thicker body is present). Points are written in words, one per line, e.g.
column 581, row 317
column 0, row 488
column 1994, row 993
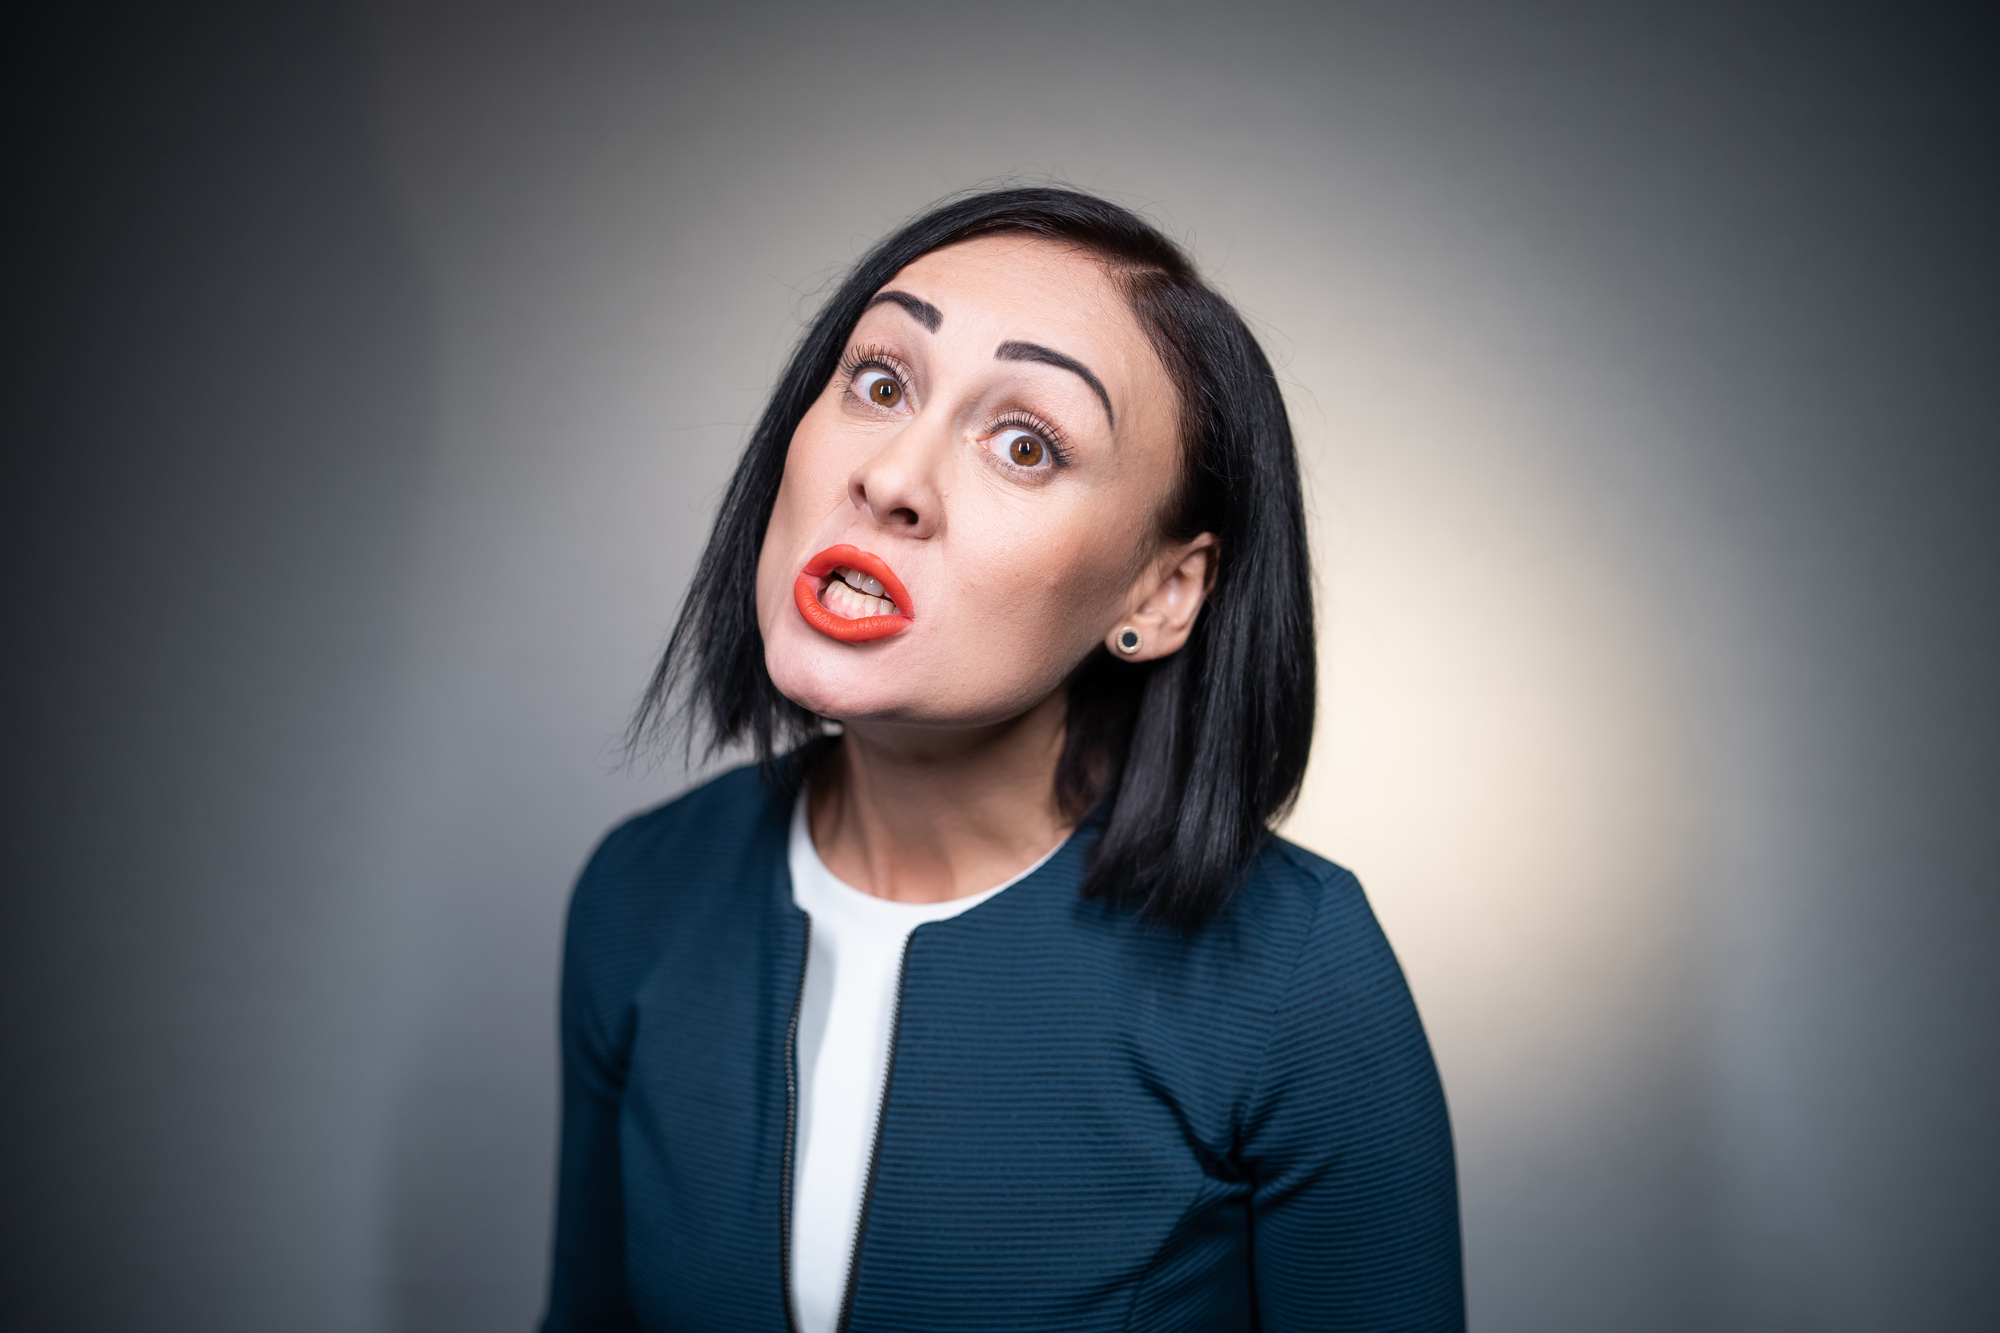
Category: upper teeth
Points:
column 860, row 582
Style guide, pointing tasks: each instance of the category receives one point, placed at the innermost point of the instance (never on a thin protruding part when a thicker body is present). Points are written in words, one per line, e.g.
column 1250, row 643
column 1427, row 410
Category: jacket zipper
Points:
column 791, row 1127
column 874, row 1152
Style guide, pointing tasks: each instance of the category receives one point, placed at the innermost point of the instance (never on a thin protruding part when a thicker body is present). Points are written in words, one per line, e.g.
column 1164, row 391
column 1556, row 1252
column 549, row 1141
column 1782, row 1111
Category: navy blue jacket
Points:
column 1091, row 1123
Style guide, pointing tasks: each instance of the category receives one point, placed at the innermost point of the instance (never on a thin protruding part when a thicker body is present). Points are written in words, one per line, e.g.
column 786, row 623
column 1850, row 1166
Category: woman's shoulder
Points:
column 1319, row 918
column 691, row 879
column 1303, row 890
column 735, row 799
column 700, row 845
column 1305, row 871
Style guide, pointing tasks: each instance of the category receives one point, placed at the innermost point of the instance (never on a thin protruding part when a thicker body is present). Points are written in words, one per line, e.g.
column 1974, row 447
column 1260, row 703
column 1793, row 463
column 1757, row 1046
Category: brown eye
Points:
column 1027, row 451
column 879, row 388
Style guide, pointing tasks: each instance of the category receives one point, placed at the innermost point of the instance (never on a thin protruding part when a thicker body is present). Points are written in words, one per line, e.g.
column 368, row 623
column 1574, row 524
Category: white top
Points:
column 853, row 969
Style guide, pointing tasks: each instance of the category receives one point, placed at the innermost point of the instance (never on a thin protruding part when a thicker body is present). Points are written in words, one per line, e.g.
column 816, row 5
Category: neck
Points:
column 926, row 815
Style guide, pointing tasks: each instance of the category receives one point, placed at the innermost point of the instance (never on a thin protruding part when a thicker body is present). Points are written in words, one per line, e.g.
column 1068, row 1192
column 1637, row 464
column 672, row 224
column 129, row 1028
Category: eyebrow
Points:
column 921, row 311
column 1048, row 356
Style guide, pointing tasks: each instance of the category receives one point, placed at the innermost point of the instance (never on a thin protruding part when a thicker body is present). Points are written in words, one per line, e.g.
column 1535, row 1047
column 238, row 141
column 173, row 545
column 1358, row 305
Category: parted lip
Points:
column 805, row 593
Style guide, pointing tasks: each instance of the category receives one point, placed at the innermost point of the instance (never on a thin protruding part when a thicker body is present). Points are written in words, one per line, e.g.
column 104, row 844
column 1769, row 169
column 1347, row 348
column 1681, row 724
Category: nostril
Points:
column 903, row 515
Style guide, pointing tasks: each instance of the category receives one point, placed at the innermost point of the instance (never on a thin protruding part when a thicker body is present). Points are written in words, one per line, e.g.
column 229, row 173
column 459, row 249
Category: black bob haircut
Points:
column 1187, row 759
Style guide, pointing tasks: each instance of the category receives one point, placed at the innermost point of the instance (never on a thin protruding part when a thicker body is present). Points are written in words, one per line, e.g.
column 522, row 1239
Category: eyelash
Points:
column 871, row 357
column 1051, row 437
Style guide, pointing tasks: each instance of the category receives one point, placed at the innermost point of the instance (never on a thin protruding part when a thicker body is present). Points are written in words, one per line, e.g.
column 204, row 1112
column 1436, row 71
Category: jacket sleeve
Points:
column 1355, row 1198
column 587, row 1288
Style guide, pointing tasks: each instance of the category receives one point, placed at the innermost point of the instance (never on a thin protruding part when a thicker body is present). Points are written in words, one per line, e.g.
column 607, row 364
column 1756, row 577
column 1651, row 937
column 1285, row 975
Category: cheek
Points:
column 1048, row 589
column 812, row 483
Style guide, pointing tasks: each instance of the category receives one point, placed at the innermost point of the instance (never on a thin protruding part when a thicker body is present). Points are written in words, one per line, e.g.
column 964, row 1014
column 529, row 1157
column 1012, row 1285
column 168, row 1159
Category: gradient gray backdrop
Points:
column 371, row 377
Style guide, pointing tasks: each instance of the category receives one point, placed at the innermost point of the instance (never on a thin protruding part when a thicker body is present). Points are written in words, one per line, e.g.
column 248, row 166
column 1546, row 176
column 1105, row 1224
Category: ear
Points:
column 1164, row 600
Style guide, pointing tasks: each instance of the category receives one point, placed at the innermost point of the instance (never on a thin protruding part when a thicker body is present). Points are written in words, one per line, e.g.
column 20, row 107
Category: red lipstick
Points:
column 806, row 590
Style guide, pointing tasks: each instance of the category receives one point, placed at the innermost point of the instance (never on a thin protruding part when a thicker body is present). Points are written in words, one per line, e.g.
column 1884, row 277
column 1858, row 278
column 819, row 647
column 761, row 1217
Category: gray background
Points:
column 371, row 375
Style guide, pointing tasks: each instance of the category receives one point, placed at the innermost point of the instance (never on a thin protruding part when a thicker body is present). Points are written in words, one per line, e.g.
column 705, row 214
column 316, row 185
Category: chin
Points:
column 838, row 680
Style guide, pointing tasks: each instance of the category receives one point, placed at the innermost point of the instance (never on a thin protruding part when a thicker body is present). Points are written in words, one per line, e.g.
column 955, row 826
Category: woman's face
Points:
column 992, row 458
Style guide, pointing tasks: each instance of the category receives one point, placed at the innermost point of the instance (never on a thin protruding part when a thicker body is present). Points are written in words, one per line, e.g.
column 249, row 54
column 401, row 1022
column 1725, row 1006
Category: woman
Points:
column 1002, row 1010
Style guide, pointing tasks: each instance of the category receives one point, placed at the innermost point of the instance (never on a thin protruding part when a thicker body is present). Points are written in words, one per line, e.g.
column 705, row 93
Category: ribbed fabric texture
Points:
column 1092, row 1123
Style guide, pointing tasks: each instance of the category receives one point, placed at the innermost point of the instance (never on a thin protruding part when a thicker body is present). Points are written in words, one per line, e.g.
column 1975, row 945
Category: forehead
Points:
column 1020, row 280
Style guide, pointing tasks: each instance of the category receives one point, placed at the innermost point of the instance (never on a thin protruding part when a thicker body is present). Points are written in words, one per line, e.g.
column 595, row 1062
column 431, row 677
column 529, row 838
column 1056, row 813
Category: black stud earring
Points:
column 1128, row 641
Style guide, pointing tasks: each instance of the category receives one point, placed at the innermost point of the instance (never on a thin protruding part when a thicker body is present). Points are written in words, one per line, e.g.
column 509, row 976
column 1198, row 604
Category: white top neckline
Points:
column 844, row 897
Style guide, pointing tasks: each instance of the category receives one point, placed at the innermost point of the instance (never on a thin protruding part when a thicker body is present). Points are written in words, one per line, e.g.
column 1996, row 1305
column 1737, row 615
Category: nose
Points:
column 897, row 486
